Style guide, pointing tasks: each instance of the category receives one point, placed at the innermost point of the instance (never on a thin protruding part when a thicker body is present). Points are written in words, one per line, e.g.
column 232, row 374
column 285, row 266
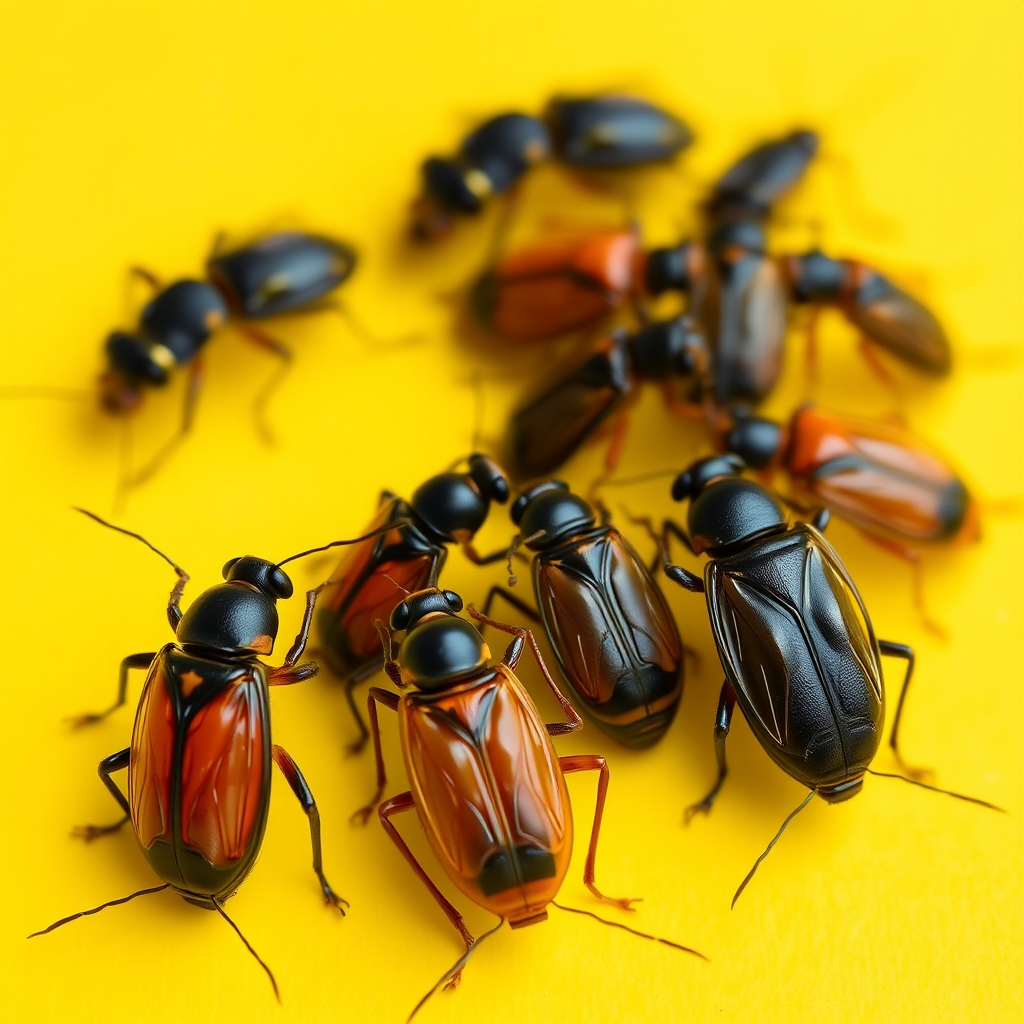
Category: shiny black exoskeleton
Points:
column 550, row 427
column 794, row 638
column 605, row 618
column 593, row 133
column 448, row 508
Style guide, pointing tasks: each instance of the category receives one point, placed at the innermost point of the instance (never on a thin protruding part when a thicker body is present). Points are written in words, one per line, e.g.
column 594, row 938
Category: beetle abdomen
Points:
column 199, row 772
column 797, row 646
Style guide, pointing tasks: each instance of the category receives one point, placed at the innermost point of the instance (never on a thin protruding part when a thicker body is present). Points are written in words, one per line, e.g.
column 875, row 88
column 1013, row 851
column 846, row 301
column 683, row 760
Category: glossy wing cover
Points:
column 369, row 582
column 798, row 648
column 489, row 791
column 549, row 428
column 199, row 772
column 553, row 289
column 613, row 635
column 880, row 477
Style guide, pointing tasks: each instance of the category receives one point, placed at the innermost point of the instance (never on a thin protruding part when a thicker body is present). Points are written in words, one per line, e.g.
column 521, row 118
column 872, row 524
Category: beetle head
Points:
column 239, row 616
column 754, row 439
column 453, row 506
column 667, row 349
column 548, row 514
column 726, row 511
column 439, row 648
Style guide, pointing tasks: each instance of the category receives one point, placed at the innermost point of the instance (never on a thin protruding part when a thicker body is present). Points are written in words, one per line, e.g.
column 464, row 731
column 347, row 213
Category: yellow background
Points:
column 132, row 133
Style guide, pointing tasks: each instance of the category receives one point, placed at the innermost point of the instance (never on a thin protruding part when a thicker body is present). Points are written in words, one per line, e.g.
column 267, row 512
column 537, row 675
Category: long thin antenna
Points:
column 935, row 789
column 96, row 910
column 355, row 540
column 454, row 969
column 138, row 536
column 632, row 931
column 238, row 932
column 768, row 849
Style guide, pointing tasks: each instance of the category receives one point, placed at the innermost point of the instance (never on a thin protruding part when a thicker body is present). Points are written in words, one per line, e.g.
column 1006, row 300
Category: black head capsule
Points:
column 758, row 441
column 453, row 506
column 439, row 648
column 614, row 132
column 727, row 513
column 238, row 617
column 549, row 514
column 668, row 349
column 281, row 272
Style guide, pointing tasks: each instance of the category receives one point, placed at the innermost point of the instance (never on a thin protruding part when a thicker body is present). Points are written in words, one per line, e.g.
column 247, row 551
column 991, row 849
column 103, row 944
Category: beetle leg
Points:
column 894, row 650
column 404, row 802
column 132, row 661
column 811, row 343
column 114, row 763
column 192, row 389
column 723, row 719
column 670, row 526
column 302, row 637
column 391, row 700
column 866, row 348
column 285, row 355
column 146, row 275
column 515, row 651
column 290, row 770
column 285, row 676
column 372, row 667
column 519, row 604
column 590, row 763
column 613, row 455
column 489, row 559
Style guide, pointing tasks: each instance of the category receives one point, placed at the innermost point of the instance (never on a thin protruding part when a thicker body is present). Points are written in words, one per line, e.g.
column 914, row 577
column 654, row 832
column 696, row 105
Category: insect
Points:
column 739, row 292
column 406, row 550
column 599, row 388
column 606, row 620
column 199, row 763
column 596, row 133
column 486, row 782
column 794, row 638
column 281, row 273
column 876, row 475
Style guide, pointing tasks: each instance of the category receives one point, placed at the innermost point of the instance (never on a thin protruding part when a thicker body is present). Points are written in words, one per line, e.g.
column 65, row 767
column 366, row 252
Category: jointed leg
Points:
column 909, row 555
column 589, row 763
column 391, row 700
column 108, row 765
column 283, row 353
column 132, row 661
column 360, row 675
column 514, row 652
column 404, row 802
column 290, row 770
column 517, row 602
column 723, row 719
column 894, row 650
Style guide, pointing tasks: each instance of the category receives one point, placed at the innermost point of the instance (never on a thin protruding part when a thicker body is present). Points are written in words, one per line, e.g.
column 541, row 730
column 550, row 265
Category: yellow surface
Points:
column 132, row 133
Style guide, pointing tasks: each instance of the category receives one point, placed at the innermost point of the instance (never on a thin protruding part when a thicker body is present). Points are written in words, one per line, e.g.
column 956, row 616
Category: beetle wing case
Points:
column 798, row 648
column 612, row 632
column 363, row 592
column 201, row 828
column 489, row 792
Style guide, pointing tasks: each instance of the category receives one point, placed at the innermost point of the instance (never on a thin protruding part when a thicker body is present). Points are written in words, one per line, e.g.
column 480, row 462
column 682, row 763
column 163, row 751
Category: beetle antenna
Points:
column 517, row 542
column 936, row 789
column 432, row 582
column 96, row 910
column 455, row 969
column 270, row 974
column 340, row 543
column 138, row 536
column 768, row 849
column 632, row 931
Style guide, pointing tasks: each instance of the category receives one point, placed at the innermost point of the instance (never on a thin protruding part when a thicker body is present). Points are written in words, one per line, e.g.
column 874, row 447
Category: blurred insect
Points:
column 793, row 635
column 877, row 475
column 485, row 780
column 281, row 273
column 739, row 293
column 599, row 133
column 599, row 388
column 606, row 620
column 199, row 763
column 446, row 509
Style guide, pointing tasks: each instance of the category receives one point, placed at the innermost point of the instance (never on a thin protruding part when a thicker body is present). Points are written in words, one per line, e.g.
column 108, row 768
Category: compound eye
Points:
column 229, row 565
column 400, row 616
column 518, row 508
column 453, row 600
column 280, row 583
column 499, row 490
column 681, row 487
column 736, row 461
